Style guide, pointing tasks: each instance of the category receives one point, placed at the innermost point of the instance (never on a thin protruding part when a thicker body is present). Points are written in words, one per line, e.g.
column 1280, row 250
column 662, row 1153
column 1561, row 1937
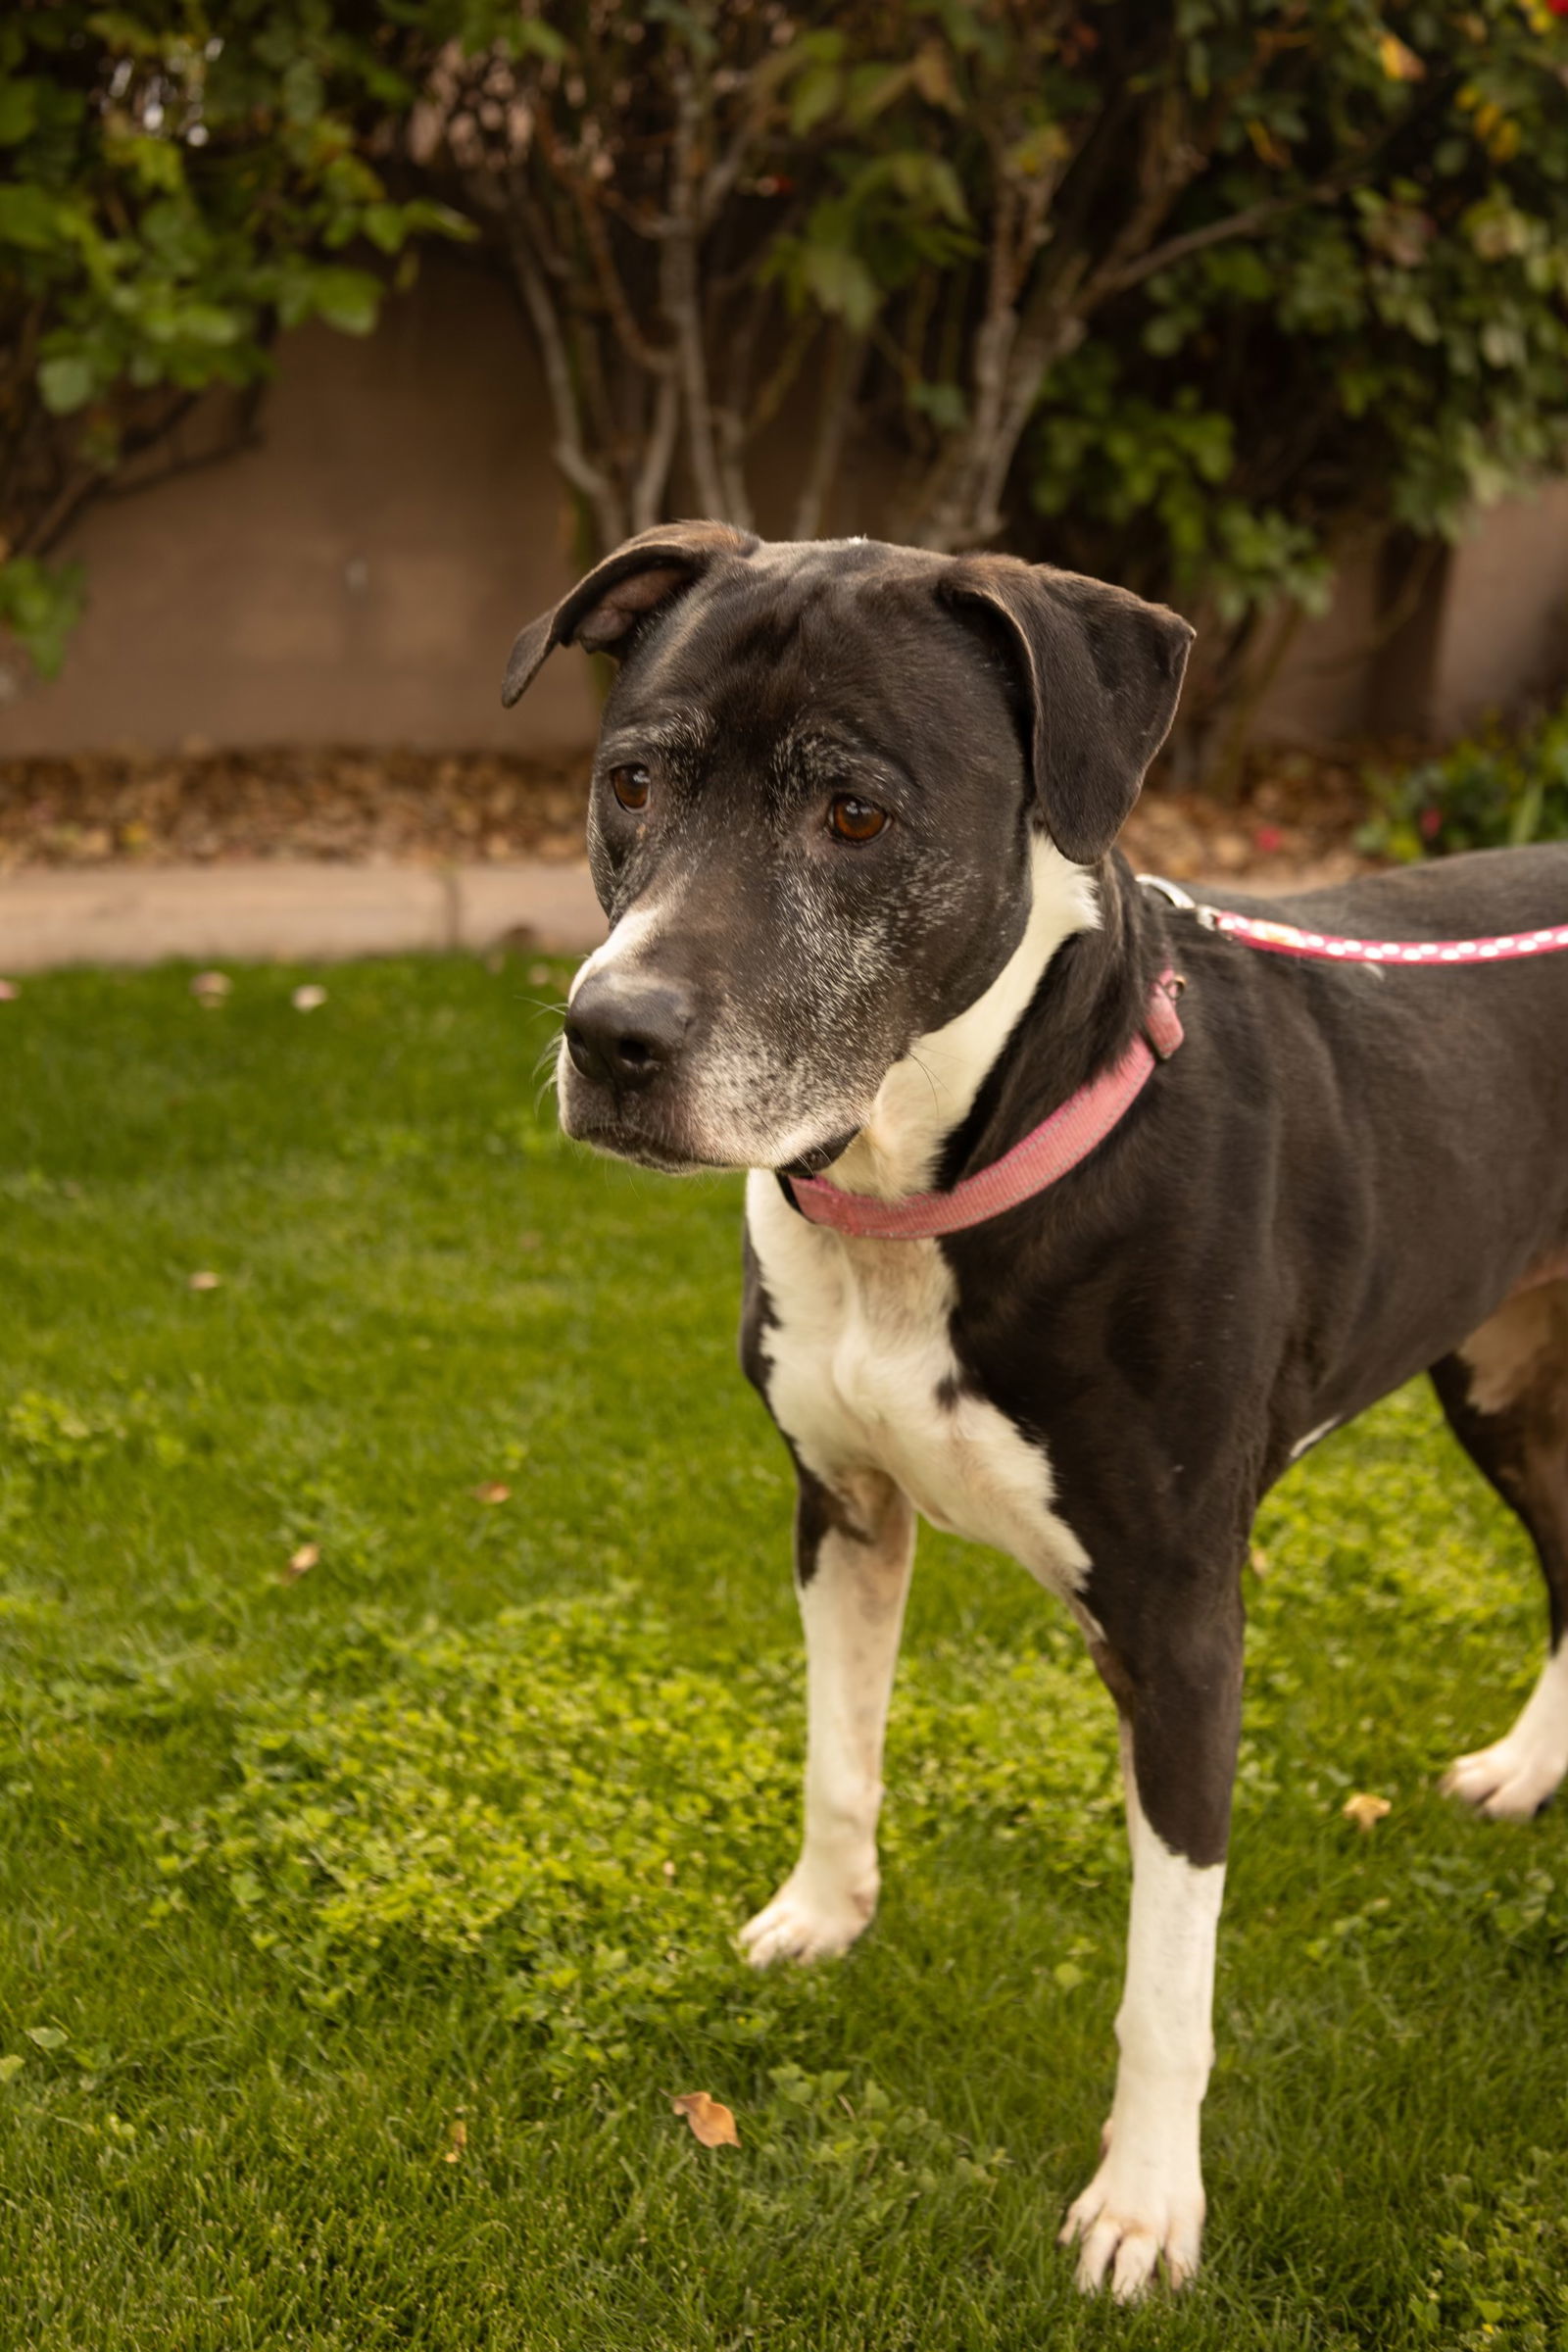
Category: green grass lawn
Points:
column 359, row 1924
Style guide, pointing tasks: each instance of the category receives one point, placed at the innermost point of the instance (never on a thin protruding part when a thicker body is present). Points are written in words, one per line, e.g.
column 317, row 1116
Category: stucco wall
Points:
column 360, row 576
column 1503, row 626
column 1319, row 693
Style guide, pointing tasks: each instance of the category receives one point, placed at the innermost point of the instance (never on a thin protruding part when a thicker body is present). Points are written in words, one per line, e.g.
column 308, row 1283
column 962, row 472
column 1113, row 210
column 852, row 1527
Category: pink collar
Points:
column 1056, row 1145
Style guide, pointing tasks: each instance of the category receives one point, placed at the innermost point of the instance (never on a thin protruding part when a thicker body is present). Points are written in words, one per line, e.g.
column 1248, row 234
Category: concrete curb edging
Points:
column 293, row 913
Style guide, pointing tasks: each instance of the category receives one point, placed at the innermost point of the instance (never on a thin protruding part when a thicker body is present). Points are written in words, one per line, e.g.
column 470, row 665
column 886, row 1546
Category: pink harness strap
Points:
column 1056, row 1145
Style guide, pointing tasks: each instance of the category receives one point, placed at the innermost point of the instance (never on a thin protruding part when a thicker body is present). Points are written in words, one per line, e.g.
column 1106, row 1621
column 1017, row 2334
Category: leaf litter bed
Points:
column 1293, row 824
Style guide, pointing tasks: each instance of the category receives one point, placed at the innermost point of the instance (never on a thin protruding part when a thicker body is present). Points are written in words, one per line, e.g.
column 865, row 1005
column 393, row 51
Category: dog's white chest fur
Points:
column 861, row 1375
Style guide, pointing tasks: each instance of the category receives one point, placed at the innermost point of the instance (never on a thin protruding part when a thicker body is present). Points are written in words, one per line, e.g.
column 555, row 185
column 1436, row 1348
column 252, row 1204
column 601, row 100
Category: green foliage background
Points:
column 181, row 182
column 1198, row 295
column 1494, row 790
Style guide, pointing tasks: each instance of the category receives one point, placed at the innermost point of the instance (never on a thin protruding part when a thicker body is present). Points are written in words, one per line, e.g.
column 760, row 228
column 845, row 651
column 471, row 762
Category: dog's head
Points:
column 822, row 768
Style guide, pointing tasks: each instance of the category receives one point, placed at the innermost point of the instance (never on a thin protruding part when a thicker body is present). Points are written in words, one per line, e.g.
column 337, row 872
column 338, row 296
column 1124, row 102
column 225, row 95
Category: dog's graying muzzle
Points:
column 624, row 1032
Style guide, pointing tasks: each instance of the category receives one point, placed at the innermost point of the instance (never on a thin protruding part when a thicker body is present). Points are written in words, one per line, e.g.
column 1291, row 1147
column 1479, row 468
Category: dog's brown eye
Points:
column 630, row 785
column 852, row 819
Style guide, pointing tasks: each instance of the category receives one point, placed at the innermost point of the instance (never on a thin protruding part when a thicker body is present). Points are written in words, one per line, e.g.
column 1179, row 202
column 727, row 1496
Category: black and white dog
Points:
column 852, row 821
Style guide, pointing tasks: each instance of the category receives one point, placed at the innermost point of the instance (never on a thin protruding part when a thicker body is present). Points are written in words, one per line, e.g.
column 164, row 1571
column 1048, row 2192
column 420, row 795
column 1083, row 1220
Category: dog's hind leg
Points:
column 1506, row 1394
column 854, row 1550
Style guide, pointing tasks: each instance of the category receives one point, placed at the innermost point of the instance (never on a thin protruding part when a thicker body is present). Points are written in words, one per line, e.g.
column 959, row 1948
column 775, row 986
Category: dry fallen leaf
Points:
column 204, row 1280
column 1365, row 1811
column 305, row 1558
column 539, row 975
column 1398, row 63
column 495, row 1491
column 1257, row 1559
column 457, row 2142
column 712, row 2123
column 211, row 987
column 1267, row 146
column 306, row 999
column 9, row 992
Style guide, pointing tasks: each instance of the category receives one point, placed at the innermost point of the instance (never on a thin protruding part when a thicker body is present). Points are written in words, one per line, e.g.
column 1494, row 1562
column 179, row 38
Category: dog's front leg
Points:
column 1180, row 1713
column 853, row 1549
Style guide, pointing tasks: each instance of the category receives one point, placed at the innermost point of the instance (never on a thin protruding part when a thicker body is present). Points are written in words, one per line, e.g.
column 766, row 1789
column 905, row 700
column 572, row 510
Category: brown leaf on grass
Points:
column 1365, row 1811
column 457, row 2142
column 204, row 1280
column 308, row 997
column 211, row 987
column 492, row 1492
column 9, row 992
column 712, row 2123
column 1258, row 1560
column 302, row 1561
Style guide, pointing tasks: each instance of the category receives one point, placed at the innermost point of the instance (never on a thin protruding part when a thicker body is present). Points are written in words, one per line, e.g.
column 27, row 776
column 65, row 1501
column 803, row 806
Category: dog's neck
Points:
column 925, row 1098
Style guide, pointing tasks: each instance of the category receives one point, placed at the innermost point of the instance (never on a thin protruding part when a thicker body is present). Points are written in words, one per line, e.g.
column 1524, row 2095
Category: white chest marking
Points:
column 862, row 1376
column 862, row 1369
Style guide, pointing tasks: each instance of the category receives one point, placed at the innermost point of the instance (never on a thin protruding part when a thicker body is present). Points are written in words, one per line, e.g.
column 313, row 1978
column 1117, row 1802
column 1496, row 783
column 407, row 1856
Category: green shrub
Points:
column 1189, row 295
column 1492, row 791
column 180, row 183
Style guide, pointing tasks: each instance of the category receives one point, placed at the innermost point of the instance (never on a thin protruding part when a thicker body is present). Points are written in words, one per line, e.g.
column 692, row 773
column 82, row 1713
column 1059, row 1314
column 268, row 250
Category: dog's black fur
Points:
column 1342, row 1175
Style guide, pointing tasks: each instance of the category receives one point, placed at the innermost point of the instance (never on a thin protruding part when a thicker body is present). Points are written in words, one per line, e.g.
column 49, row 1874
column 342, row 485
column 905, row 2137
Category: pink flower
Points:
column 1430, row 820
column 1268, row 840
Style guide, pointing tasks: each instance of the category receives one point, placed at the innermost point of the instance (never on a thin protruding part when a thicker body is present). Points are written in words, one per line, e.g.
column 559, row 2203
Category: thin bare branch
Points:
column 719, row 181
column 679, row 288
column 568, row 450
column 960, row 505
column 1327, row 190
column 51, row 526
column 590, row 213
column 840, row 388
column 1109, row 281
column 658, row 454
column 803, row 332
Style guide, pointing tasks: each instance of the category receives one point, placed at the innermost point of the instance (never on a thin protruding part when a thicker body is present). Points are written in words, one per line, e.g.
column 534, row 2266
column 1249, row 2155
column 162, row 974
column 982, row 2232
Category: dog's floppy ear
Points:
column 1101, row 672
column 601, row 612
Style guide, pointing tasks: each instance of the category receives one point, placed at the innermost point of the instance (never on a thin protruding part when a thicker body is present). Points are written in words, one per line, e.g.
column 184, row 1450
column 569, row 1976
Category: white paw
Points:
column 810, row 1918
column 1508, row 1781
column 1128, row 2220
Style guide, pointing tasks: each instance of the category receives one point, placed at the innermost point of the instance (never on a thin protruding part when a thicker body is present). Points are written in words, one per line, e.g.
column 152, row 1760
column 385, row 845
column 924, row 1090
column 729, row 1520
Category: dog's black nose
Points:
column 623, row 1031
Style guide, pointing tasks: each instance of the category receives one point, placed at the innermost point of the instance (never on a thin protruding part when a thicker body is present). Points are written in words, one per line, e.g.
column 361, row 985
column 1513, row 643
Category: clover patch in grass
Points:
column 559, row 1796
